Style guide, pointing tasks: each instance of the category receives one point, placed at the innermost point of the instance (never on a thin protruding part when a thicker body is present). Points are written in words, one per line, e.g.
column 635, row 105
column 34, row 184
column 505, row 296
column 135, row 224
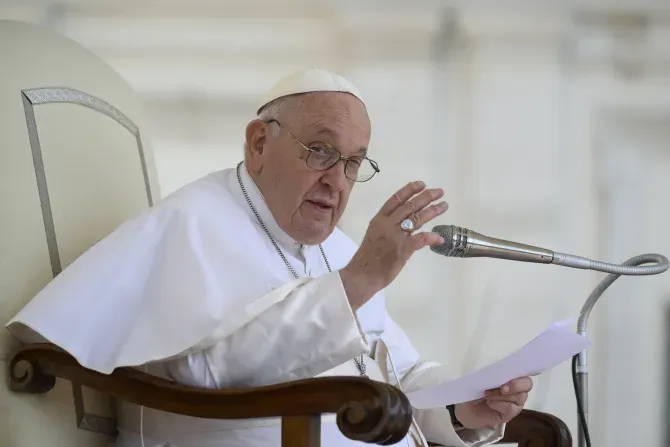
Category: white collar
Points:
column 285, row 241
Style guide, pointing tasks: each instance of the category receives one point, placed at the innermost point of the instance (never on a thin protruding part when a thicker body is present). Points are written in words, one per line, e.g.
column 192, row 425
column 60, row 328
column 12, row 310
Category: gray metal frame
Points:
column 32, row 98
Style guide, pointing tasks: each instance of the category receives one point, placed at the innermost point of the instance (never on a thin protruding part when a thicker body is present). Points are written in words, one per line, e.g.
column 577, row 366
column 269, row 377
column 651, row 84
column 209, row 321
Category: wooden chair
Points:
column 367, row 410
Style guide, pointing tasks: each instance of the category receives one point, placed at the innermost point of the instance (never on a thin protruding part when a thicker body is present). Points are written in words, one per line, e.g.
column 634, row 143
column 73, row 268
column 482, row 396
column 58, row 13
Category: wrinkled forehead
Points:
column 340, row 119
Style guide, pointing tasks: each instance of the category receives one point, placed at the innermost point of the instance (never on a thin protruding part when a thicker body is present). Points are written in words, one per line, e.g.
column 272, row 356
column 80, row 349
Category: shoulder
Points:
column 202, row 191
column 202, row 203
column 207, row 196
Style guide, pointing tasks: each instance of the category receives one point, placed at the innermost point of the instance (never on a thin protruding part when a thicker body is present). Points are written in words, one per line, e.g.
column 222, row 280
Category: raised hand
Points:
column 387, row 247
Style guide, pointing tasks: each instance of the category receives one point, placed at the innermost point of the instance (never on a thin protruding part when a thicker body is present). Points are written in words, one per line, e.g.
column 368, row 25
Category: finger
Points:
column 520, row 385
column 426, row 215
column 416, row 204
column 506, row 409
column 401, row 196
column 424, row 239
column 518, row 398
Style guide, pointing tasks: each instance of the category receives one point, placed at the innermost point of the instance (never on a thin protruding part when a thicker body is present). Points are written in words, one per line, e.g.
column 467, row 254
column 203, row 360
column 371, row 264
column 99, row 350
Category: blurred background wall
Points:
column 546, row 122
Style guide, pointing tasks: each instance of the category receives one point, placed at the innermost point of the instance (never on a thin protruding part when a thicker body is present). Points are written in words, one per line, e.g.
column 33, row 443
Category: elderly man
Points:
column 241, row 278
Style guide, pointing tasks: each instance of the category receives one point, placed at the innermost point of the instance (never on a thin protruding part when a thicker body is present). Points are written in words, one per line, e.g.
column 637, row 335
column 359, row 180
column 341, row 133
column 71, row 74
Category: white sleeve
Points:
column 414, row 374
column 292, row 333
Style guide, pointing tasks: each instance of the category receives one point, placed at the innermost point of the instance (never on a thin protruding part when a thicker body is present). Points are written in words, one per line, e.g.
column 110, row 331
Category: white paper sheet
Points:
column 558, row 343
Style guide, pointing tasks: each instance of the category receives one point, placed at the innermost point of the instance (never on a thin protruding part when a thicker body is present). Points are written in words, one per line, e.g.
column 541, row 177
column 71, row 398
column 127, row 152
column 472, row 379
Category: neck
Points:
column 253, row 188
column 255, row 177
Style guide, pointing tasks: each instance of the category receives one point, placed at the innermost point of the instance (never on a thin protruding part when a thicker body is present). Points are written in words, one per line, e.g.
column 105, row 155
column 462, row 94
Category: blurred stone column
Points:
column 510, row 124
column 619, row 114
column 452, row 158
column 390, row 57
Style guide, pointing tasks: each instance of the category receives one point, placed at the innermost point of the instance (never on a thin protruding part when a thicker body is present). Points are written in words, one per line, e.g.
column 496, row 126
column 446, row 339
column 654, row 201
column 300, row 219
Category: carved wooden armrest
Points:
column 367, row 410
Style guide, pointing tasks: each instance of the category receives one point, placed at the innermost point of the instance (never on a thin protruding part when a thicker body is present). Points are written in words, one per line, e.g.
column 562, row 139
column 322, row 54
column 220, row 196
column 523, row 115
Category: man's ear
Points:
column 256, row 137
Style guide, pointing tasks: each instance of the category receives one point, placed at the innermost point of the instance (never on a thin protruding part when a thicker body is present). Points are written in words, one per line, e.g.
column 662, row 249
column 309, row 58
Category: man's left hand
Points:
column 499, row 406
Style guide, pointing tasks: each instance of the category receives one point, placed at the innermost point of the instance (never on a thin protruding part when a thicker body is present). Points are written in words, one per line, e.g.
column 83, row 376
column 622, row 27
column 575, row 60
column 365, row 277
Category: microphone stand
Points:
column 580, row 370
column 463, row 243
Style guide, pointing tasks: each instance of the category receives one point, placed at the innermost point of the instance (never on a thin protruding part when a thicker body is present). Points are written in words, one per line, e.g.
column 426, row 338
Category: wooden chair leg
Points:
column 301, row 431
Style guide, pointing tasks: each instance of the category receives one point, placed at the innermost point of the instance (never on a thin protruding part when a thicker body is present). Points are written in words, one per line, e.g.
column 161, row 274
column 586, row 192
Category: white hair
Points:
column 274, row 110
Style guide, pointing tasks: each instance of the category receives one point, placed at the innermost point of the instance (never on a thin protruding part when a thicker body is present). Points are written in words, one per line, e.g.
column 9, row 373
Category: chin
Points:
column 315, row 236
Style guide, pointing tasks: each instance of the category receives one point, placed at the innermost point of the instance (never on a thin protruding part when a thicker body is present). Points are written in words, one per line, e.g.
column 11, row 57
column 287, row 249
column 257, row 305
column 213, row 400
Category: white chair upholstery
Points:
column 73, row 165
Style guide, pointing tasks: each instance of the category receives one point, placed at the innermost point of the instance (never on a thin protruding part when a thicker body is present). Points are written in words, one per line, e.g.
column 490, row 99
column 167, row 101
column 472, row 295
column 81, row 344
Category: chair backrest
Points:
column 73, row 166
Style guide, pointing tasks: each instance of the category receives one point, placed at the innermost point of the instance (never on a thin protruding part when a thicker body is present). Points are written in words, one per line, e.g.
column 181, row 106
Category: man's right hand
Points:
column 386, row 247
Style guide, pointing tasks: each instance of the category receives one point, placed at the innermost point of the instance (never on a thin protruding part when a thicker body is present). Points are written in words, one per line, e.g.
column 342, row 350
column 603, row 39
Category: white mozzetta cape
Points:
column 194, row 288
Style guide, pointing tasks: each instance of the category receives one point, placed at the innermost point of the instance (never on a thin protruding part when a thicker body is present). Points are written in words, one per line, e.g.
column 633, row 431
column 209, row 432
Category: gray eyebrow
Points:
column 324, row 130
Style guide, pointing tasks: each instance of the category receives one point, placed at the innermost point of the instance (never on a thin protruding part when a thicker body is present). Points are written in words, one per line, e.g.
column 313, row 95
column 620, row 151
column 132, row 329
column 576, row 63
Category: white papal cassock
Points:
column 194, row 291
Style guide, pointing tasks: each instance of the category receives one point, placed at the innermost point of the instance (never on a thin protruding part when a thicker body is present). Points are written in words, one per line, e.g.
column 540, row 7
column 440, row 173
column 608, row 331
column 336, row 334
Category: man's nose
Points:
column 335, row 176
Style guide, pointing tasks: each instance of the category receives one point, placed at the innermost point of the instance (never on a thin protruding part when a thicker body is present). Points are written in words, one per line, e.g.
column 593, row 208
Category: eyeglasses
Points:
column 321, row 158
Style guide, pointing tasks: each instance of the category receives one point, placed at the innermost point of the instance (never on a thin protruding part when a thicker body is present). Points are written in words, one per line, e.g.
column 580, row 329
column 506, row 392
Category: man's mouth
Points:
column 321, row 204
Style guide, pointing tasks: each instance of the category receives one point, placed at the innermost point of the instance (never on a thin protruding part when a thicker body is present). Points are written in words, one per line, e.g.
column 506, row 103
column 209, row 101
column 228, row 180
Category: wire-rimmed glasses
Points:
column 358, row 168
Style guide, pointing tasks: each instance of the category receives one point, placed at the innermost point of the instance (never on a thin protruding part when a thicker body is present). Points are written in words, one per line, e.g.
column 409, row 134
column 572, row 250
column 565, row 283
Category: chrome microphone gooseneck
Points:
column 463, row 243
column 580, row 372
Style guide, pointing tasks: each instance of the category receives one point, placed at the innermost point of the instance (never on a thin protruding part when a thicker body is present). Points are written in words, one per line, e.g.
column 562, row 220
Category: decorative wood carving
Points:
column 367, row 410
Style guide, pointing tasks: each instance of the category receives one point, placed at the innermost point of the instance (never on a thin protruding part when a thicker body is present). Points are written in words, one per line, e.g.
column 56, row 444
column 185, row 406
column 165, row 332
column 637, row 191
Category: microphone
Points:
column 461, row 242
